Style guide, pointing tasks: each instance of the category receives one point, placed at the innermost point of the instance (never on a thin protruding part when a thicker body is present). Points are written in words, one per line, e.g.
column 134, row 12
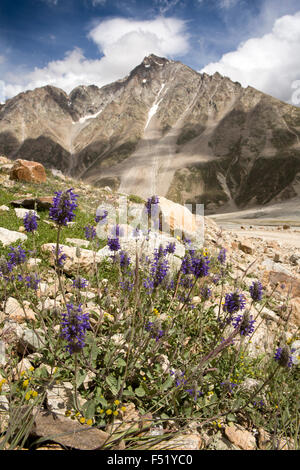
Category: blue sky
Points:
column 66, row 43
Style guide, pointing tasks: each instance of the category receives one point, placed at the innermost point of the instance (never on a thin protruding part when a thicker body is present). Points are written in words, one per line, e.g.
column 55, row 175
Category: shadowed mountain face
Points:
column 164, row 129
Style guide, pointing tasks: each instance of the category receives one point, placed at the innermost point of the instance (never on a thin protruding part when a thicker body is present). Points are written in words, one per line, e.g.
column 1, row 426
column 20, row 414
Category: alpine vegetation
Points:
column 144, row 345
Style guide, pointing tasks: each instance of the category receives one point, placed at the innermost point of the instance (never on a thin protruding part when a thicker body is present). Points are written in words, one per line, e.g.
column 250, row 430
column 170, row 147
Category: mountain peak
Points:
column 164, row 129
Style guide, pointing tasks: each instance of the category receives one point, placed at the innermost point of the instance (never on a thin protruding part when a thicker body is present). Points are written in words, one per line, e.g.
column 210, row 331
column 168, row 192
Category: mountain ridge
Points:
column 163, row 129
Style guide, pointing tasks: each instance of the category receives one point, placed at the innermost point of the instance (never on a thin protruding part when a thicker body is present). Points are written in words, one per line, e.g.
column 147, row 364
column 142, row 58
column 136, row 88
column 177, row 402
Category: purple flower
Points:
column 229, row 386
column 124, row 260
column 114, row 244
column 117, row 231
column 200, row 266
column 80, row 283
column 6, row 267
column 256, row 291
column 222, row 256
column 151, row 205
column 179, row 378
column 74, row 325
column 155, row 330
column 61, row 257
column 159, row 267
column 101, row 216
column 30, row 221
column 64, row 204
column 17, row 255
column 32, row 281
column 186, row 264
column 205, row 293
column 234, row 302
column 90, row 232
column 283, row 357
column 245, row 323
column 194, row 393
column 170, row 248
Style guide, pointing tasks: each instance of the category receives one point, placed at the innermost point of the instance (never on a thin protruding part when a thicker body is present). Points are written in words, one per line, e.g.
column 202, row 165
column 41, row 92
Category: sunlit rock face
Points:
column 164, row 129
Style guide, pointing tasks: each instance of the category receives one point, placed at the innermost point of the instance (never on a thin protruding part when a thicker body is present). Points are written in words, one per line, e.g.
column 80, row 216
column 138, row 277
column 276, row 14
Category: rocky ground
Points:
column 268, row 254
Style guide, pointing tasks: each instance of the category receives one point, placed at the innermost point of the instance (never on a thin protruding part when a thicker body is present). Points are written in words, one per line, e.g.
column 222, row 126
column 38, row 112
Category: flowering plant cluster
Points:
column 165, row 333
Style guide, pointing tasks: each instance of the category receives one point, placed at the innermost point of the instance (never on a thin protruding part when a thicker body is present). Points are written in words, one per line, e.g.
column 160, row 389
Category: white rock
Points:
column 16, row 312
column 10, row 236
column 20, row 212
column 77, row 242
column 33, row 262
column 4, row 208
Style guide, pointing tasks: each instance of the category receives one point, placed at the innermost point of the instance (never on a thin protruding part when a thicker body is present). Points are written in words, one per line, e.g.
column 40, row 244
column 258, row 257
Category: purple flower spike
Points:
column 234, row 302
column 74, row 325
column 64, row 204
column 30, row 222
column 256, row 291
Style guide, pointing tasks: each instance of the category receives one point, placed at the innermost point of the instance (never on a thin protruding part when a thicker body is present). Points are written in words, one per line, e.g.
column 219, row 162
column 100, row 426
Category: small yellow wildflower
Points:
column 117, row 402
column 27, row 396
column 77, row 414
column 101, row 411
column 89, row 422
column 34, row 394
column 116, row 413
column 25, row 383
column 82, row 420
column 123, row 408
column 31, row 369
column 109, row 412
column 155, row 311
column 22, row 373
column 67, row 413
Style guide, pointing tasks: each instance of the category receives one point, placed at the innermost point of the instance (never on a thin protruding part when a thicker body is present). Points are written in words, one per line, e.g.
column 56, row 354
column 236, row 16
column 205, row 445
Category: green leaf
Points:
column 231, row 418
column 90, row 408
column 128, row 393
column 120, row 362
column 140, row 392
column 112, row 383
column 81, row 375
column 167, row 384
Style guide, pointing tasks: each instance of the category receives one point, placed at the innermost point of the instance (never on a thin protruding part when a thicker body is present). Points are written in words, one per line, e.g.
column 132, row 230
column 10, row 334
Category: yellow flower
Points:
column 34, row 394
column 123, row 408
column 101, row 411
column 27, row 396
column 31, row 369
column 77, row 414
column 116, row 413
column 25, row 383
column 155, row 311
column 117, row 402
column 89, row 422
column 67, row 413
column 109, row 412
column 22, row 373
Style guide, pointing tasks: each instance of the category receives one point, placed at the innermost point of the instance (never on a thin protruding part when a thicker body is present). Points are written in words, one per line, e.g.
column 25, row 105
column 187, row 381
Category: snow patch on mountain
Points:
column 154, row 108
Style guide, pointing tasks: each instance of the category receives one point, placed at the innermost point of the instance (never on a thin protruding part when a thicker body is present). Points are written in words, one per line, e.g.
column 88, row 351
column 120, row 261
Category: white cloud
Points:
column 123, row 44
column 269, row 63
column 226, row 4
column 98, row 2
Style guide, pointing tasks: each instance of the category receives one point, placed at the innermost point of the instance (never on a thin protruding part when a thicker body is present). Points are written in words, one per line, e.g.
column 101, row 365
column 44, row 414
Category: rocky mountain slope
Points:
column 164, row 129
